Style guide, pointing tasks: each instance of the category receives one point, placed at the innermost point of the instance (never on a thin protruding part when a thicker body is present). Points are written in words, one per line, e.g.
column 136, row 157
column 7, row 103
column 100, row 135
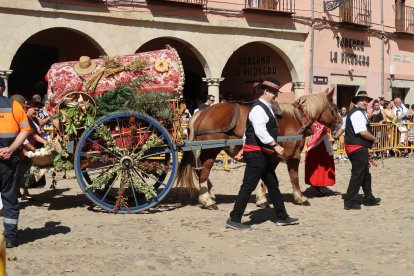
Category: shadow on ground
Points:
column 51, row 228
column 55, row 200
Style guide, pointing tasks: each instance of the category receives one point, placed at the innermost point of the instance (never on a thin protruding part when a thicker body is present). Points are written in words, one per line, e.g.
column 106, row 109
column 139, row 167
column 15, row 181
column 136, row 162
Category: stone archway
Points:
column 195, row 68
column 35, row 56
column 251, row 63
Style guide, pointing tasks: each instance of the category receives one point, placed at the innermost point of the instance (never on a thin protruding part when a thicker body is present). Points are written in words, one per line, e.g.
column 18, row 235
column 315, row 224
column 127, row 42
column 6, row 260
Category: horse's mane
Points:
column 287, row 109
column 313, row 103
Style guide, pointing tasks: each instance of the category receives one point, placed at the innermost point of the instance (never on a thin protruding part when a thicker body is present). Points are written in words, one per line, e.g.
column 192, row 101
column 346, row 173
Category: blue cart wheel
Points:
column 126, row 162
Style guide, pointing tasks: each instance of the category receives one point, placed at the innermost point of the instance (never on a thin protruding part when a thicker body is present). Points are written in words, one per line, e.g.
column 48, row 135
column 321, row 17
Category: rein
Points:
column 300, row 113
column 218, row 130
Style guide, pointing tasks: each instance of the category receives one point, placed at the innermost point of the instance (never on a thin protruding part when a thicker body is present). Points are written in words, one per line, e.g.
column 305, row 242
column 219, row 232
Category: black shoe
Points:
column 11, row 244
column 372, row 201
column 320, row 191
column 287, row 221
column 352, row 206
column 237, row 225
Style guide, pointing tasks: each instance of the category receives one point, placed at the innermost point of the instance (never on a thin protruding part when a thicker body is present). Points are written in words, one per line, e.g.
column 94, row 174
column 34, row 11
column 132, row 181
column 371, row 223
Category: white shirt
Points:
column 359, row 121
column 259, row 119
column 343, row 124
column 401, row 111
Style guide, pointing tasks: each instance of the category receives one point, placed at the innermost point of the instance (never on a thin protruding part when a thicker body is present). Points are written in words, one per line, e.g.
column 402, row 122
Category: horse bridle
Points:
column 301, row 112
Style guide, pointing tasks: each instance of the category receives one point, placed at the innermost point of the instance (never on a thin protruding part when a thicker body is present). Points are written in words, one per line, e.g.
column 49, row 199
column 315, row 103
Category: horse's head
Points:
column 318, row 107
column 329, row 115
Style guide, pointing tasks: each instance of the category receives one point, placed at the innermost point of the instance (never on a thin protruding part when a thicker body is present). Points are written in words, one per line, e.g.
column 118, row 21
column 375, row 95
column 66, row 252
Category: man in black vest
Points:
column 358, row 139
column 259, row 146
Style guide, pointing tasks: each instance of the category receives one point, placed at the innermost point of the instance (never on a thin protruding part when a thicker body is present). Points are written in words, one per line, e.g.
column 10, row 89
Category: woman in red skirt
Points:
column 319, row 160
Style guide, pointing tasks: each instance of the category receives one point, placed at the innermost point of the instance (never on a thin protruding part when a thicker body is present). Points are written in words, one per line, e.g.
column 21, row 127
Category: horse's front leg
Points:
column 293, row 168
column 204, row 198
column 261, row 199
column 211, row 189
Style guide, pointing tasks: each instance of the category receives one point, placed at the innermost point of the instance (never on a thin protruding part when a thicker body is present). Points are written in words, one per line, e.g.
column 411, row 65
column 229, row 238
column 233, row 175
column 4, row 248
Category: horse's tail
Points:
column 185, row 175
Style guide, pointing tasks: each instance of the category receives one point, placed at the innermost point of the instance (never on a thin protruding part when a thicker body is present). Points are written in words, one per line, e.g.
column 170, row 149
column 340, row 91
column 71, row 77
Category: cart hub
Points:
column 127, row 163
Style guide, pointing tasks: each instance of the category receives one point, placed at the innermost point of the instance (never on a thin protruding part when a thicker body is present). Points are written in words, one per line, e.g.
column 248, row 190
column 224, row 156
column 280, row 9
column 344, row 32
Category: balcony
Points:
column 282, row 7
column 194, row 3
column 356, row 13
column 404, row 19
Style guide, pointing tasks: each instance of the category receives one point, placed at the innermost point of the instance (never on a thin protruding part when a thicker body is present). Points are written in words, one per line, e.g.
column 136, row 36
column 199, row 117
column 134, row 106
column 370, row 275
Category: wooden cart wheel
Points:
column 126, row 162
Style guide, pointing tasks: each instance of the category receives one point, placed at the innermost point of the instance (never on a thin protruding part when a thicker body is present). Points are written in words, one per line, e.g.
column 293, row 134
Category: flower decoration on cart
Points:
column 118, row 122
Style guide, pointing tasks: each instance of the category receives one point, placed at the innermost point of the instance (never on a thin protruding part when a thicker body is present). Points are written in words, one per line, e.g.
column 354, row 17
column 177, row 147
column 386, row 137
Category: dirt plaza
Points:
column 61, row 233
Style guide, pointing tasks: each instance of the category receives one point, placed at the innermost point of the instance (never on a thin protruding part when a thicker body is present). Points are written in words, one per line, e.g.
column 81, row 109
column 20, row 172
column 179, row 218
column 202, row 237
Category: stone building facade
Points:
column 226, row 46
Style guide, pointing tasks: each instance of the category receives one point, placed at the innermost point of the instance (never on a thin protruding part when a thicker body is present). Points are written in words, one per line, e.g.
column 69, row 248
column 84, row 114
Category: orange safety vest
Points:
column 13, row 119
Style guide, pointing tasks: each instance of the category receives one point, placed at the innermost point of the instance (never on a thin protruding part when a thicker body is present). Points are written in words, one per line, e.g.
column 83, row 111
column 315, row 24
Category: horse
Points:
column 228, row 121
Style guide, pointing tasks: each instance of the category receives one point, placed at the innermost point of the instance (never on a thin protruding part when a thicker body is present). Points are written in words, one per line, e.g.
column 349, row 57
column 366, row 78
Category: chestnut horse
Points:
column 228, row 121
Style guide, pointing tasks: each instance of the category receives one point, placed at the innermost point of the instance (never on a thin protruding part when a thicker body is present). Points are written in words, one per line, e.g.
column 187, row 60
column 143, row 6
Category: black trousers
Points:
column 258, row 166
column 9, row 190
column 360, row 177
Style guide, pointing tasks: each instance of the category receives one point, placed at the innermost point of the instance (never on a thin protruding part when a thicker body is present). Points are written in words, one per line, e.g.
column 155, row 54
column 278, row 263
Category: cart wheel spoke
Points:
column 120, row 135
column 89, row 170
column 145, row 174
column 104, row 148
column 133, row 190
column 109, row 187
column 142, row 137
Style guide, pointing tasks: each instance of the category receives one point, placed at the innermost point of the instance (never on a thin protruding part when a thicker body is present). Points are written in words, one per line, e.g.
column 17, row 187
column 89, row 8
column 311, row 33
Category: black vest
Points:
column 355, row 139
column 271, row 126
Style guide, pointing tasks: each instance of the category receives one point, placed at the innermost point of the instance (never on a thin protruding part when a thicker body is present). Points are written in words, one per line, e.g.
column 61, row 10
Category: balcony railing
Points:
column 283, row 6
column 189, row 2
column 404, row 18
column 357, row 12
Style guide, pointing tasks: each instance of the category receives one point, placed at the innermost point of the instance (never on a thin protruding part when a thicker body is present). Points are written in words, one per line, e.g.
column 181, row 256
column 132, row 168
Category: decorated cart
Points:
column 125, row 161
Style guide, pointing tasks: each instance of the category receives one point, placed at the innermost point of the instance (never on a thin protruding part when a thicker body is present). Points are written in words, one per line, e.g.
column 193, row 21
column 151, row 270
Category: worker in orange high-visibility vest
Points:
column 14, row 129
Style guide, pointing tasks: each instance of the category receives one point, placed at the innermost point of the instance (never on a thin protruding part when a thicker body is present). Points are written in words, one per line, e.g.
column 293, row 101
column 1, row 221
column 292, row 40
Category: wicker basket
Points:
column 43, row 161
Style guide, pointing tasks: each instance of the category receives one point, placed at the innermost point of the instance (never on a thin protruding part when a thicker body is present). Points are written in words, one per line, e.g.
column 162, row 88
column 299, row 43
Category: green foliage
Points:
column 62, row 161
column 152, row 103
column 114, row 100
column 76, row 118
column 125, row 98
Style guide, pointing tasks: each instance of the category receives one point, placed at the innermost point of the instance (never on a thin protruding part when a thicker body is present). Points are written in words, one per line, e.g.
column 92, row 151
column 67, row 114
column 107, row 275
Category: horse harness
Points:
column 218, row 130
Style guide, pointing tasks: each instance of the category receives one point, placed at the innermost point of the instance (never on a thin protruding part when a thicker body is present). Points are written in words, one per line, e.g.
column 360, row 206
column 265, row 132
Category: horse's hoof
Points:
column 263, row 205
column 305, row 203
column 211, row 207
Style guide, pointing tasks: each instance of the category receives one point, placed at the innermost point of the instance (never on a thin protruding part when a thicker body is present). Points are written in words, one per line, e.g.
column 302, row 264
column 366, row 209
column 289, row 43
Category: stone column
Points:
column 214, row 87
column 4, row 74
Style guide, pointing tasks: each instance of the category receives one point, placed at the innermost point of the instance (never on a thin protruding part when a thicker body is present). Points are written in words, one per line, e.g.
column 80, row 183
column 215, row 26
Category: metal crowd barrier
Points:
column 389, row 136
column 2, row 255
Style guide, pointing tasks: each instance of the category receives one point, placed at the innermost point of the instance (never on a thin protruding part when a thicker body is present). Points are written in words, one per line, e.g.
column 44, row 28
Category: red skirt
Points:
column 319, row 167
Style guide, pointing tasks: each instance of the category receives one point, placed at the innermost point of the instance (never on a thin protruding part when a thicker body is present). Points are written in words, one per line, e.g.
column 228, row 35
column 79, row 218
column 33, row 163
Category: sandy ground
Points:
column 61, row 233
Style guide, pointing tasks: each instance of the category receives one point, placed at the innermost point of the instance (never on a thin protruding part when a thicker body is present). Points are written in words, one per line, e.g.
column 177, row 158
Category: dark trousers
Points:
column 9, row 190
column 361, row 177
column 258, row 166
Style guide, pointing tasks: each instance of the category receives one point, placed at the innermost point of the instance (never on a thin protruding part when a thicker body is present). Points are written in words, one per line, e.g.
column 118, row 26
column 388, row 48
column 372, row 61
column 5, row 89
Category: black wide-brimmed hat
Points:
column 271, row 84
column 361, row 93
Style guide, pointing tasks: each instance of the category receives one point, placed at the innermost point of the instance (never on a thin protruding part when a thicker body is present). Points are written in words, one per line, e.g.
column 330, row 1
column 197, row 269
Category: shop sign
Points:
column 320, row 80
column 254, row 66
column 402, row 58
column 349, row 58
